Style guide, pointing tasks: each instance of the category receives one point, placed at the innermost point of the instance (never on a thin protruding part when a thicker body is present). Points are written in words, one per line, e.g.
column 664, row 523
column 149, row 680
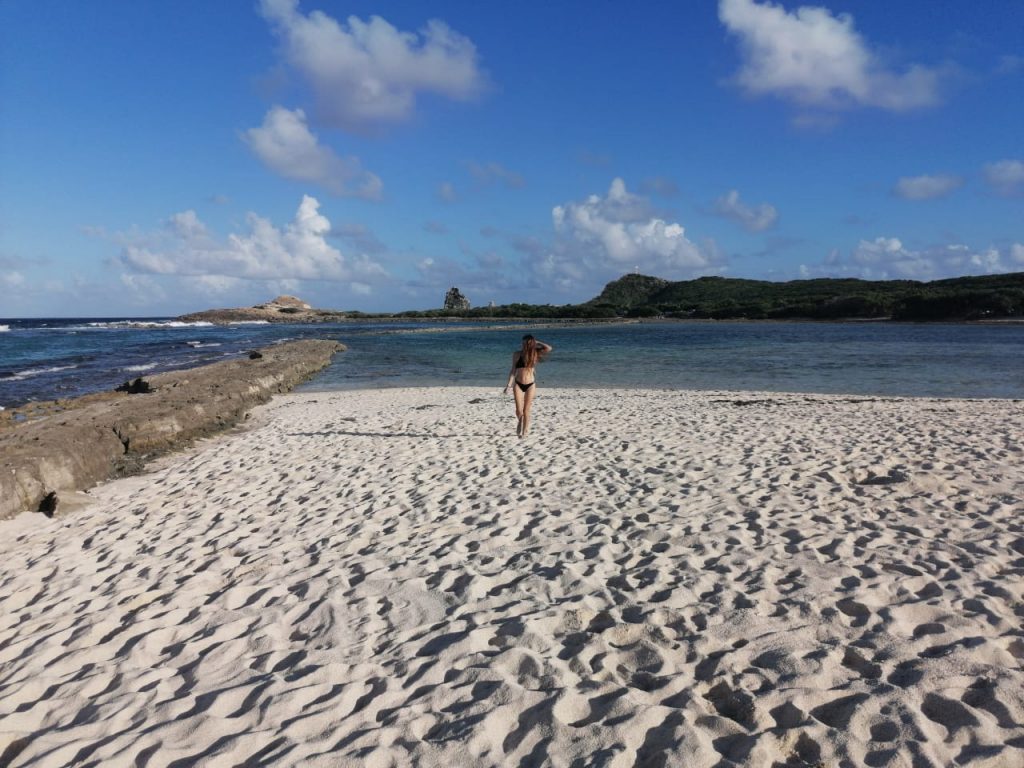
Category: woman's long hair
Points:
column 529, row 354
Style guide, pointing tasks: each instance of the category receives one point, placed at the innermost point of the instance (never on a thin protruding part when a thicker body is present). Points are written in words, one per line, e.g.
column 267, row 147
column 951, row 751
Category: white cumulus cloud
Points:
column 819, row 60
column 615, row 234
column 926, row 187
column 886, row 256
column 1005, row 176
column 889, row 258
column 285, row 144
column 298, row 251
column 367, row 73
column 753, row 218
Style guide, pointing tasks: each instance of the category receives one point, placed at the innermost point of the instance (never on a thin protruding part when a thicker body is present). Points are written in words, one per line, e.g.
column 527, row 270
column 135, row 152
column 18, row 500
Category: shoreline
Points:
column 391, row 576
column 527, row 321
column 756, row 395
column 38, row 455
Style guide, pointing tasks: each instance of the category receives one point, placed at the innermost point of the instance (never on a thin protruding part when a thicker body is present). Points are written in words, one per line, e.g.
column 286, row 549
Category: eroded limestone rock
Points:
column 92, row 438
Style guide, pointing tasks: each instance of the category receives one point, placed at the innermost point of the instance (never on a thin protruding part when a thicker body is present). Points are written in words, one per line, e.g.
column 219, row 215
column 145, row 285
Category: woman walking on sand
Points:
column 521, row 379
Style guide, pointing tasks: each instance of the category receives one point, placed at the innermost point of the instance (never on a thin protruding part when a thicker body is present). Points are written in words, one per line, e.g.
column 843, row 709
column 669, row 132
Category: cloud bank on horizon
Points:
column 614, row 234
column 371, row 161
column 298, row 251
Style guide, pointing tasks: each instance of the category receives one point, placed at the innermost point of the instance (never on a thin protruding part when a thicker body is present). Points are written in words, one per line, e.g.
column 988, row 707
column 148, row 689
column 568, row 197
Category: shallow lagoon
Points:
column 42, row 359
column 944, row 360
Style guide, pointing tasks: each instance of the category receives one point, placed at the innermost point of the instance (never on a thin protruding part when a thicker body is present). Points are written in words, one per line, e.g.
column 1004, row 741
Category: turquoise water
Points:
column 874, row 358
column 46, row 359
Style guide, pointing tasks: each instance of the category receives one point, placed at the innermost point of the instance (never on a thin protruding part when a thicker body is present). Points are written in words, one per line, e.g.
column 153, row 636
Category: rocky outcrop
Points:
column 285, row 301
column 283, row 309
column 455, row 299
column 100, row 436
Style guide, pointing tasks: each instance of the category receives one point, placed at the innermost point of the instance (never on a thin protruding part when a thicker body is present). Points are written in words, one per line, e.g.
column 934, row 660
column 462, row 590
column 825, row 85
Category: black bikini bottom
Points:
column 525, row 387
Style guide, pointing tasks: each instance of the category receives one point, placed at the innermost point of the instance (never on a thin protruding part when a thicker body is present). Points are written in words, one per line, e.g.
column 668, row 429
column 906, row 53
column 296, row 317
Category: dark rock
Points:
column 254, row 355
column 455, row 299
column 888, row 478
column 48, row 506
column 137, row 387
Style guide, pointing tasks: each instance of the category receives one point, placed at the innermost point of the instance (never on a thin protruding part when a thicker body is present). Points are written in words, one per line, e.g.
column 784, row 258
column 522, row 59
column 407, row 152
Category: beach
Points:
column 652, row 577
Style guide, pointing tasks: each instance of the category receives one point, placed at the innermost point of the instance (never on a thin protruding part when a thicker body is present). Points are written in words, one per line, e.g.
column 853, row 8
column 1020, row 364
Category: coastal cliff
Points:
column 283, row 309
column 99, row 436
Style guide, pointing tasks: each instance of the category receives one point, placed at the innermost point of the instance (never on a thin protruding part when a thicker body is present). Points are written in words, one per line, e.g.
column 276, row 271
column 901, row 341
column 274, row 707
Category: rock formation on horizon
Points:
column 455, row 299
column 292, row 302
column 283, row 309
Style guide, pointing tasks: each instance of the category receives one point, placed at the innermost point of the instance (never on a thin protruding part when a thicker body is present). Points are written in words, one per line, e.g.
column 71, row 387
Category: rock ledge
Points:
column 98, row 437
column 283, row 309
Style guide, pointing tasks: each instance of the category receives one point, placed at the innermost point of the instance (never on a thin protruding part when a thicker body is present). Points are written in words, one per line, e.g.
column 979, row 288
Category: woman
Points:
column 521, row 378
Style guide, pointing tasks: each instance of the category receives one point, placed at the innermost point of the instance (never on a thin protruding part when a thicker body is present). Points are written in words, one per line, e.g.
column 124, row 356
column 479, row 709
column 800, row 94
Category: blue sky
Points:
column 158, row 157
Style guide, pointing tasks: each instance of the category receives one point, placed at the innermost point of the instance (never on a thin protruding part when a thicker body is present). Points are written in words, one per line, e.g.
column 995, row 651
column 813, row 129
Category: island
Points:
column 283, row 309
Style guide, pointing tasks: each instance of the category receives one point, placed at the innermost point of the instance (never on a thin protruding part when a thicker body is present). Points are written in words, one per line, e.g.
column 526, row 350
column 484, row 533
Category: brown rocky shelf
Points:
column 283, row 309
column 80, row 442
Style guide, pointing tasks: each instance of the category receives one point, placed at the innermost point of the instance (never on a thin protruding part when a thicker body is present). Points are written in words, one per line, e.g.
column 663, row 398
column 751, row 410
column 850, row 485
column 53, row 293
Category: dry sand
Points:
column 652, row 578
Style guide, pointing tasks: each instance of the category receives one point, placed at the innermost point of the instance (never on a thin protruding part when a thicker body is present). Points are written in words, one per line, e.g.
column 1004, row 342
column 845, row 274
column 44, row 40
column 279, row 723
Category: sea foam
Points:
column 30, row 372
column 149, row 324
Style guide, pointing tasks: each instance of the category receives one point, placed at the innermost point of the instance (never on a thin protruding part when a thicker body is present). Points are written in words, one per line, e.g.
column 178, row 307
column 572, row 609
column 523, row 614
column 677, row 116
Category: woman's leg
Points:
column 517, row 393
column 527, row 404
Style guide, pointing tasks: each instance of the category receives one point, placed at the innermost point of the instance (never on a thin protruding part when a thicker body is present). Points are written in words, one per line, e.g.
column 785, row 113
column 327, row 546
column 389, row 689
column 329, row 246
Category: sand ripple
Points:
column 652, row 578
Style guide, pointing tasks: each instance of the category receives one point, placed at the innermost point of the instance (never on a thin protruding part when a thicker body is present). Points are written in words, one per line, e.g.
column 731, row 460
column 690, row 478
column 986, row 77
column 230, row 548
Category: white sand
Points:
column 651, row 578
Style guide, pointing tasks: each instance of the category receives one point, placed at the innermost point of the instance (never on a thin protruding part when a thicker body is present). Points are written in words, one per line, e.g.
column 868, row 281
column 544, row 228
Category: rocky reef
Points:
column 283, row 309
column 92, row 438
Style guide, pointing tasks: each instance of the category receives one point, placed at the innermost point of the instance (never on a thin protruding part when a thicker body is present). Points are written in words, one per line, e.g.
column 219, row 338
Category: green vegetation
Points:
column 960, row 298
column 523, row 311
column 724, row 297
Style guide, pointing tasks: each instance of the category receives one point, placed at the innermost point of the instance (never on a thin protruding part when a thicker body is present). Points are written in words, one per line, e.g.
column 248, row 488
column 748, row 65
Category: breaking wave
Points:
column 30, row 372
column 149, row 324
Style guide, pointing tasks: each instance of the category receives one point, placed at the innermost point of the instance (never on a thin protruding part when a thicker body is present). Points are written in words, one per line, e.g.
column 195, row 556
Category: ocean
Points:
column 45, row 359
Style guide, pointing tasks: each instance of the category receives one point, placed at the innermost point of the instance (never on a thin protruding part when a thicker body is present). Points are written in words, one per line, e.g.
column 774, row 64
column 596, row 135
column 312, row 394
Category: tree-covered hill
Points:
column 961, row 298
column 987, row 297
